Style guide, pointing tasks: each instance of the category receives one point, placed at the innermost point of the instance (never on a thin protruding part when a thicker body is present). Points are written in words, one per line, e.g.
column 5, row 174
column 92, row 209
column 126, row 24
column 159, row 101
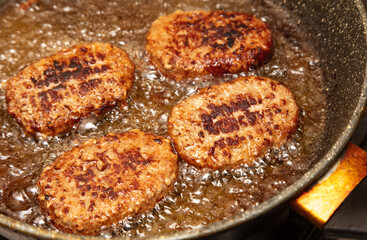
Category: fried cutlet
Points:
column 53, row 94
column 102, row 181
column 185, row 45
column 233, row 123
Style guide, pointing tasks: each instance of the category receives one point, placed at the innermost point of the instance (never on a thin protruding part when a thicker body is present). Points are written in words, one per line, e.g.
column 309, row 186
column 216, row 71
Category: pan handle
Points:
column 326, row 204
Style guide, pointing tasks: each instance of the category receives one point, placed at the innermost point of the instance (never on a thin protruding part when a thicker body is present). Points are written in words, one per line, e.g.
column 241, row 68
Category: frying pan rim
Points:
column 311, row 176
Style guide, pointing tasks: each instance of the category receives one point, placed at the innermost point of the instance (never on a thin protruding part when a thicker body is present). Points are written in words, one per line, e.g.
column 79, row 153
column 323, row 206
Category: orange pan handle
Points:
column 320, row 202
column 27, row 4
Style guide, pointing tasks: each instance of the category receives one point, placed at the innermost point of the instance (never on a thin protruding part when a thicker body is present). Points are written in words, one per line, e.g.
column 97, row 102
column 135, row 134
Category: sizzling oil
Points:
column 199, row 196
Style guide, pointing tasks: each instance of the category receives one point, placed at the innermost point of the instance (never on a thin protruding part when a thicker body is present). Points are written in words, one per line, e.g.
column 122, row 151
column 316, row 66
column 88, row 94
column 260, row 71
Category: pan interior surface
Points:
column 324, row 67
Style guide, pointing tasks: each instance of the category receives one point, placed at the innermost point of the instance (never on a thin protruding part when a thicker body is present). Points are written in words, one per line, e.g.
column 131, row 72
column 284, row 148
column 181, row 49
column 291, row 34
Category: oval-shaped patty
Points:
column 190, row 44
column 103, row 181
column 51, row 95
column 234, row 122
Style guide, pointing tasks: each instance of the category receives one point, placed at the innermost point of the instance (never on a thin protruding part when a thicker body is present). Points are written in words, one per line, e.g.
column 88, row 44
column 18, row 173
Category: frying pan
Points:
column 338, row 30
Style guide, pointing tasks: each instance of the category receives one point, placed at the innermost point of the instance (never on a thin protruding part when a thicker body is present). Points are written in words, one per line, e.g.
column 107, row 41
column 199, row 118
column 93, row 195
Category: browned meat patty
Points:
column 103, row 181
column 233, row 123
column 51, row 95
column 190, row 44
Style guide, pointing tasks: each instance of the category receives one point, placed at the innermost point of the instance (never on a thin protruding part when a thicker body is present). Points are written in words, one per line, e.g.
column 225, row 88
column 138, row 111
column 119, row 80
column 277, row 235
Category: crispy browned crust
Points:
column 103, row 181
column 51, row 95
column 233, row 123
column 190, row 44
